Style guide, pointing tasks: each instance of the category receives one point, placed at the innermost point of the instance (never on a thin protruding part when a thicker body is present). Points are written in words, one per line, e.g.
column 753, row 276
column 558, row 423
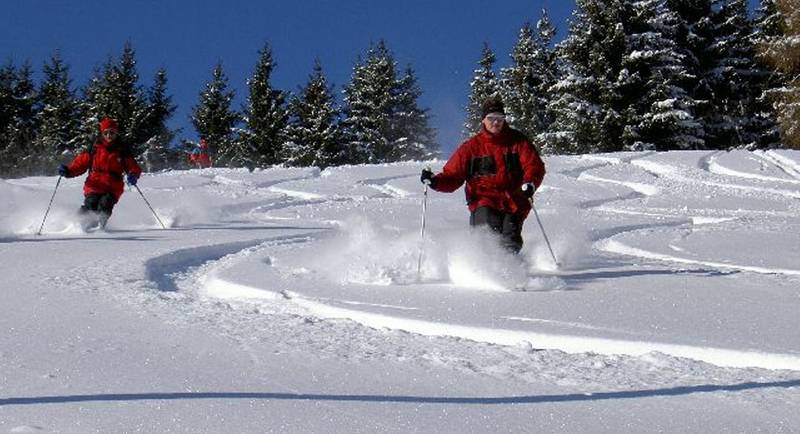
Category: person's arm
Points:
column 454, row 172
column 79, row 165
column 532, row 165
column 131, row 166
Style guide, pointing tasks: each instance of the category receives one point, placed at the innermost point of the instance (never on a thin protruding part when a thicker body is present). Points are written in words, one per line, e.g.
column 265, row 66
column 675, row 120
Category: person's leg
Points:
column 512, row 233
column 105, row 207
column 89, row 211
column 485, row 216
column 508, row 226
column 90, row 203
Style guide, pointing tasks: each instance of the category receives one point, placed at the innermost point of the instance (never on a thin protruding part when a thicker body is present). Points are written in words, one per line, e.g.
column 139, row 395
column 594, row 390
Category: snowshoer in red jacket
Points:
column 501, row 169
column 106, row 162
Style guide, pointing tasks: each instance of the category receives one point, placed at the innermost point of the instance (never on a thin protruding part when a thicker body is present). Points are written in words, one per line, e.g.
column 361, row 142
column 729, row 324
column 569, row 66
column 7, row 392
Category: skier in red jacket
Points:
column 199, row 156
column 106, row 161
column 502, row 170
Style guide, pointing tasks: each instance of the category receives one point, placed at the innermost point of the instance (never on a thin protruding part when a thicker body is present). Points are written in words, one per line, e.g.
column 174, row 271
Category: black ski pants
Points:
column 508, row 226
column 100, row 203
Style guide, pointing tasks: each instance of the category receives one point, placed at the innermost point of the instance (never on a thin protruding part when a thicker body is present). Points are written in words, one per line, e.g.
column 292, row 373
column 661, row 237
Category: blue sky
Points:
column 441, row 40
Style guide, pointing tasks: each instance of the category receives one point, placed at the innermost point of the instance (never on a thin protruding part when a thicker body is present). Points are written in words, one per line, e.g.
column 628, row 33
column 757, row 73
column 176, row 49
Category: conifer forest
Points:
column 629, row 75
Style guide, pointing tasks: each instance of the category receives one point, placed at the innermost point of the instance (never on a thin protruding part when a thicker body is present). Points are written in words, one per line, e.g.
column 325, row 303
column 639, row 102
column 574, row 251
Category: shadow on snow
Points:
column 531, row 399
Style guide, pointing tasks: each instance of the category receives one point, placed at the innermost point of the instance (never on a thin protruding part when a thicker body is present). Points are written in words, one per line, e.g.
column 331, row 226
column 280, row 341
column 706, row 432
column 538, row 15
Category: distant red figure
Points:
column 199, row 157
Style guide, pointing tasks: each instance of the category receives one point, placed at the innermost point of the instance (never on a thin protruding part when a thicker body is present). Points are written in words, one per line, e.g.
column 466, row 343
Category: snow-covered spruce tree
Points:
column 546, row 64
column 90, row 108
column 585, row 101
column 411, row 137
column 694, row 38
column 775, row 51
column 264, row 114
column 577, row 120
column 7, row 153
column 520, row 84
column 732, row 78
column 158, row 150
column 7, row 77
column 57, row 117
column 382, row 119
column 313, row 136
column 483, row 85
column 782, row 51
column 763, row 127
column 115, row 92
column 368, row 106
column 526, row 83
column 214, row 120
column 660, row 114
column 19, row 121
column 768, row 27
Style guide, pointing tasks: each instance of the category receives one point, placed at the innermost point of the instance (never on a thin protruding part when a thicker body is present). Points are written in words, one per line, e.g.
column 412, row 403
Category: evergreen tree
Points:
column 382, row 120
column 7, row 77
column 57, row 117
column 527, row 83
column 545, row 63
column 782, row 51
column 115, row 92
column 769, row 31
column 694, row 36
column 368, row 107
column 19, row 120
column 8, row 152
column 587, row 107
column 411, row 136
column 158, row 151
column 214, row 120
column 484, row 84
column 732, row 78
column 660, row 114
column 88, row 112
column 265, row 114
column 313, row 134
column 578, row 121
column 520, row 85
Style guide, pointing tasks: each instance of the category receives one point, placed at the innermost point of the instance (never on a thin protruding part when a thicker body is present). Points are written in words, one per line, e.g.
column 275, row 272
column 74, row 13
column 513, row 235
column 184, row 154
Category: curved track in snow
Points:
column 602, row 189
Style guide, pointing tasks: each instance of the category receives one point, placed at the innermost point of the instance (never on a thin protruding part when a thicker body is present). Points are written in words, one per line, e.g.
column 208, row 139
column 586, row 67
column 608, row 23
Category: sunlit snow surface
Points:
column 671, row 266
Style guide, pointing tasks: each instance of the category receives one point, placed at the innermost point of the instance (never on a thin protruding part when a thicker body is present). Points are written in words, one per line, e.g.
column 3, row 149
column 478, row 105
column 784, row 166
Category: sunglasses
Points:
column 495, row 118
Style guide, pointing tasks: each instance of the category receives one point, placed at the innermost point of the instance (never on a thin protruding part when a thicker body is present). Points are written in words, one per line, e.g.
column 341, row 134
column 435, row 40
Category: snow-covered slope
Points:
column 290, row 300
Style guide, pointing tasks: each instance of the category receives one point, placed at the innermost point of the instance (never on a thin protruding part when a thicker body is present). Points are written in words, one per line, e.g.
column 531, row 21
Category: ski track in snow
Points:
column 214, row 256
column 184, row 285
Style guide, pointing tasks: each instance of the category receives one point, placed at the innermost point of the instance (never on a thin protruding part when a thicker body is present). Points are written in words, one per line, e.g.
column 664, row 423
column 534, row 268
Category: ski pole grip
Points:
column 427, row 180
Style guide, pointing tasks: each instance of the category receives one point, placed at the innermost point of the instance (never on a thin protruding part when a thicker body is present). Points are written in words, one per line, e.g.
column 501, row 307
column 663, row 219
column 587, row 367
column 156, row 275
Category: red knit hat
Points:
column 108, row 124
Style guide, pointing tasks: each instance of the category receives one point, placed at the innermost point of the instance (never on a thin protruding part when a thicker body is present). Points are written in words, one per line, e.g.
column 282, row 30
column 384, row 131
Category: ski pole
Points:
column 148, row 205
column 546, row 240
column 49, row 205
column 422, row 231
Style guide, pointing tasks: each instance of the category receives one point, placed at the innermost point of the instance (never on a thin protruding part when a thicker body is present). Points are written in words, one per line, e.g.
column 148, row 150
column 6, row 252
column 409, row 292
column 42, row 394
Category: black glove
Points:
column 132, row 179
column 426, row 177
column 63, row 170
column 528, row 189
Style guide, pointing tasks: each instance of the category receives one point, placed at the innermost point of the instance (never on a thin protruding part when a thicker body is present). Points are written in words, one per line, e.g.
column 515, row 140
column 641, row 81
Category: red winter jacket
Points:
column 494, row 168
column 200, row 159
column 106, row 163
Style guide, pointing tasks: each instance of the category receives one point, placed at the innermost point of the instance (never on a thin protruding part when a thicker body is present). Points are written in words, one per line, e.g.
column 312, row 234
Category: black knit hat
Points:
column 492, row 104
